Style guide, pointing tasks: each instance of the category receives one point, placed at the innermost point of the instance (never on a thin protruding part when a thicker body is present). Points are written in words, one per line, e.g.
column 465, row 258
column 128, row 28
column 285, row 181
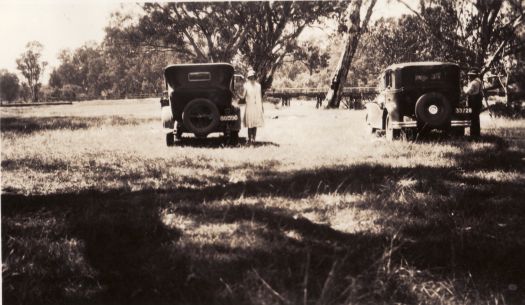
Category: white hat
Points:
column 251, row 73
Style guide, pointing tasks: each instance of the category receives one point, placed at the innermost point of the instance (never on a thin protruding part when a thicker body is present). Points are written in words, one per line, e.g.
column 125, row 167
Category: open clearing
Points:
column 97, row 210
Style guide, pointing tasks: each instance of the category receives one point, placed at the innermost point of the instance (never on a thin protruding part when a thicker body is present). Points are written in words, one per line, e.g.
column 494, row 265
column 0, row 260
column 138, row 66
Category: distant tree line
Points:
column 488, row 35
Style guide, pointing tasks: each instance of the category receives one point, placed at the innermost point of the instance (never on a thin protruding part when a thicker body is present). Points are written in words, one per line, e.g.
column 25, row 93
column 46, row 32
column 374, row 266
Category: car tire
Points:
column 201, row 116
column 390, row 133
column 170, row 139
column 433, row 108
column 408, row 134
column 234, row 137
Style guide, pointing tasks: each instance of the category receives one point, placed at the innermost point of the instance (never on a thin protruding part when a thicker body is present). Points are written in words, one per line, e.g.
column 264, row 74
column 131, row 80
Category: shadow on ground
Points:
column 115, row 248
column 216, row 142
column 28, row 125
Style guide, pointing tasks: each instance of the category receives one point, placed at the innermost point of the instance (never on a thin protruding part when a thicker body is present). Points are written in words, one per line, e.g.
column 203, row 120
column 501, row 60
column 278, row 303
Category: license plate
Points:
column 229, row 117
column 463, row 110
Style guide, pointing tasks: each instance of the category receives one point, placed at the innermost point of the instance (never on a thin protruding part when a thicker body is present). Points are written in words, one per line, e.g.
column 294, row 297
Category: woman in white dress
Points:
column 254, row 112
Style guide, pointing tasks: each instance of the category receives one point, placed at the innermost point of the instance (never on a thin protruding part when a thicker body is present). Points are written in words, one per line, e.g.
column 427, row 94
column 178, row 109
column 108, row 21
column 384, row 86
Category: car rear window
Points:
column 199, row 76
column 430, row 76
column 425, row 77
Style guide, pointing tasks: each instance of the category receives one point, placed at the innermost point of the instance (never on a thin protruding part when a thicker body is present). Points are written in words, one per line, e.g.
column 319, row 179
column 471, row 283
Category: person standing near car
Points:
column 475, row 101
column 254, row 111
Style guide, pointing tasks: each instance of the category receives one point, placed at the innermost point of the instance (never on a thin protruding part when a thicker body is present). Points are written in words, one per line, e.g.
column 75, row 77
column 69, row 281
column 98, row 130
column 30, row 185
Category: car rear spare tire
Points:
column 433, row 108
column 200, row 116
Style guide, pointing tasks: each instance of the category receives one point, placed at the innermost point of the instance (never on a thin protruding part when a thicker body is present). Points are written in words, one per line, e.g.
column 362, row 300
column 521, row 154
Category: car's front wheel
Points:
column 391, row 133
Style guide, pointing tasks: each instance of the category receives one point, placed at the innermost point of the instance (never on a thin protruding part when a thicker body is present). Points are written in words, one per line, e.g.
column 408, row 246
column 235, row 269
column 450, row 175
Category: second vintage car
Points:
column 200, row 101
column 417, row 97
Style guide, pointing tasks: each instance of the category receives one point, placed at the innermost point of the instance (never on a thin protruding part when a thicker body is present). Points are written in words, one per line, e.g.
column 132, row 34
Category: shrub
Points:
column 70, row 92
column 50, row 94
column 9, row 86
column 514, row 110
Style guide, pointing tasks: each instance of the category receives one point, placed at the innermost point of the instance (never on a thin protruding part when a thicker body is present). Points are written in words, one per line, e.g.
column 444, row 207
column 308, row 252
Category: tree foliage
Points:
column 32, row 67
column 471, row 31
column 311, row 56
column 275, row 28
column 255, row 34
column 264, row 36
column 9, row 86
column 395, row 40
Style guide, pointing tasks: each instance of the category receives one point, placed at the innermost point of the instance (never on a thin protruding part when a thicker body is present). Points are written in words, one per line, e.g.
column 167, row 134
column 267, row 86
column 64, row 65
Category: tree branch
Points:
column 198, row 51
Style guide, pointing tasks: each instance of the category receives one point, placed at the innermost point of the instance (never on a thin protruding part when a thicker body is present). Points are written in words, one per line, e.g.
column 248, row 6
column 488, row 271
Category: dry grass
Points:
column 97, row 210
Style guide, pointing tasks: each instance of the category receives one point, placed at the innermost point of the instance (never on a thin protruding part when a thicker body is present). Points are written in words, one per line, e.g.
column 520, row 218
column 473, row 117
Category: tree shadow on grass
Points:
column 448, row 223
column 28, row 125
column 218, row 142
column 138, row 259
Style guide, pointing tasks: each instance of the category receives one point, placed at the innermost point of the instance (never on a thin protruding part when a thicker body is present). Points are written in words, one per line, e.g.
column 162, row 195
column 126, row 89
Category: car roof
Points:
column 420, row 64
column 220, row 64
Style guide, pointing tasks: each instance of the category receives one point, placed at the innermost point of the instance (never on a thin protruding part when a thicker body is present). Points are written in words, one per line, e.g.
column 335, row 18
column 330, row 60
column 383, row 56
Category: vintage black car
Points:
column 199, row 101
column 418, row 97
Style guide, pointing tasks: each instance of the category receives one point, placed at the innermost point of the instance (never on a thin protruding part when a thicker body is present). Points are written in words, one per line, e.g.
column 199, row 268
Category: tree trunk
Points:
column 355, row 29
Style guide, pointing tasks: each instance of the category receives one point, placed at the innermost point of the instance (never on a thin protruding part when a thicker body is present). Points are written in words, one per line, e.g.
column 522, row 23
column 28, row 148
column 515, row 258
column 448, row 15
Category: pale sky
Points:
column 55, row 24
column 61, row 24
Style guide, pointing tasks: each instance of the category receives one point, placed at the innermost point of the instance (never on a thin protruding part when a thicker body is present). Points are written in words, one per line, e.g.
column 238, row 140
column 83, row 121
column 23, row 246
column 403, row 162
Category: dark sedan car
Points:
column 417, row 97
column 199, row 101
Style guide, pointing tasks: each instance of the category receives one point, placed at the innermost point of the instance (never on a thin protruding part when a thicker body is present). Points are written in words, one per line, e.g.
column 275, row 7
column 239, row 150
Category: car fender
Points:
column 166, row 114
column 374, row 114
column 391, row 110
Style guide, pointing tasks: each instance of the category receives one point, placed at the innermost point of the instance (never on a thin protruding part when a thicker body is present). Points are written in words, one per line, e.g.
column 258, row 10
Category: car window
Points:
column 428, row 77
column 199, row 76
column 389, row 79
column 392, row 79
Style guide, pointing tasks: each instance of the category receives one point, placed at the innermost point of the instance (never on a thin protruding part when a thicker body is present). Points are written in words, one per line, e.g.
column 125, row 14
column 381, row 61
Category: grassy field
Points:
column 97, row 210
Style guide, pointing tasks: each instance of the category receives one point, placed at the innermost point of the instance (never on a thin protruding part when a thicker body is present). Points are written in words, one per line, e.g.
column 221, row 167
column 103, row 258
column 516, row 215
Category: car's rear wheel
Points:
column 408, row 134
column 170, row 139
column 433, row 108
column 391, row 133
column 232, row 138
column 201, row 116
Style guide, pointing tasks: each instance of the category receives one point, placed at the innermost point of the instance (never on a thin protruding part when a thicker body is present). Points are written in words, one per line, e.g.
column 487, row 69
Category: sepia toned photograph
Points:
column 262, row 152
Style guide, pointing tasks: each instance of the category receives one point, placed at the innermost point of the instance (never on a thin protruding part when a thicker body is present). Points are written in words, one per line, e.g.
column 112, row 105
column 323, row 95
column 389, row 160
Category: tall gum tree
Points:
column 353, row 28
column 256, row 34
column 32, row 67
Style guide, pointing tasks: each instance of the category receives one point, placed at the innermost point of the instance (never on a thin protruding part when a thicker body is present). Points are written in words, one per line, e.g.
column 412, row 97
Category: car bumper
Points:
column 413, row 124
column 460, row 123
column 397, row 125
